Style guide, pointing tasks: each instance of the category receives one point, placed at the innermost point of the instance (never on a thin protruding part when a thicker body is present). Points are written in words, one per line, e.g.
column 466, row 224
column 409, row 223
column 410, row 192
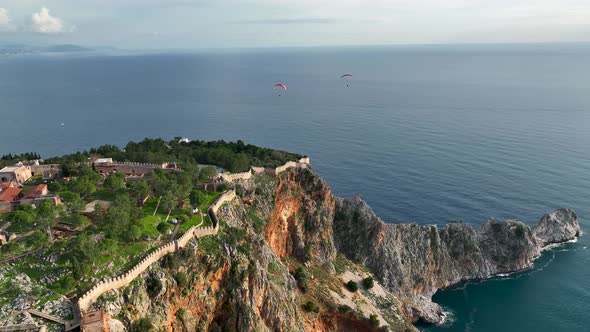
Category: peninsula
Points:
column 188, row 235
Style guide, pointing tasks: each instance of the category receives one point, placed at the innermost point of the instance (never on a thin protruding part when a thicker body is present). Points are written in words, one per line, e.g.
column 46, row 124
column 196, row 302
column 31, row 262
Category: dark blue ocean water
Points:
column 424, row 134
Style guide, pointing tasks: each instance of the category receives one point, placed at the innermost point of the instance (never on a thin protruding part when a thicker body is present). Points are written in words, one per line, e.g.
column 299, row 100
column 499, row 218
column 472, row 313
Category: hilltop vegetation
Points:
column 232, row 156
column 63, row 250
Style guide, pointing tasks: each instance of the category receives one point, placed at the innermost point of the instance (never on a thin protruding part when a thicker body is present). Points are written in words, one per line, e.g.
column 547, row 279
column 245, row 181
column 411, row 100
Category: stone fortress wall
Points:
column 103, row 286
column 130, row 167
column 230, row 177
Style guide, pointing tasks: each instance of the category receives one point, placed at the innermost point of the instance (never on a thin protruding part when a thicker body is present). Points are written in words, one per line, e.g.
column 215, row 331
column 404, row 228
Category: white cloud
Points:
column 5, row 22
column 43, row 22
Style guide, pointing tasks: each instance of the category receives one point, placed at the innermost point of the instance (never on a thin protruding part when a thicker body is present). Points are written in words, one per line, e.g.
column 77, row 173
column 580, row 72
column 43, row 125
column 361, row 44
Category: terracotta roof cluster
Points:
column 36, row 192
column 9, row 194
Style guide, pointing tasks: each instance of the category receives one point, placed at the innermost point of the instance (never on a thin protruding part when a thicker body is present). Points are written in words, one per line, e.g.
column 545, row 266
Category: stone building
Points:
column 18, row 174
column 37, row 192
column 95, row 321
column 105, row 166
column 10, row 194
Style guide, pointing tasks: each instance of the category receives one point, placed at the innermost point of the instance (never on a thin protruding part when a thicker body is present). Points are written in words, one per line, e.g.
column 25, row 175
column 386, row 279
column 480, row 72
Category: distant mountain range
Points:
column 16, row 49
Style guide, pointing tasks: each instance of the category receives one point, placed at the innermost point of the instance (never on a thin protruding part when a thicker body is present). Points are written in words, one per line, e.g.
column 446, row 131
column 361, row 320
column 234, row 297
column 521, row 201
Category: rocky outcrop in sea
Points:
column 414, row 261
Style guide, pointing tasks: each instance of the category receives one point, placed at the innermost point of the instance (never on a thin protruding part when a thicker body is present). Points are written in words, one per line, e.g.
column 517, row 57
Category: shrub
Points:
column 301, row 276
column 55, row 187
column 343, row 308
column 163, row 227
column 368, row 282
column 352, row 286
column 181, row 279
column 373, row 320
column 154, row 286
column 170, row 261
column 142, row 325
column 310, row 306
column 182, row 218
column 180, row 313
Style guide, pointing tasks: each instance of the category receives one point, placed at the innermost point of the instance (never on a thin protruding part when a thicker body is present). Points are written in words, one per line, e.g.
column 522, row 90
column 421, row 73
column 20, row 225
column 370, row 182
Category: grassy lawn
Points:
column 149, row 222
column 211, row 197
column 193, row 221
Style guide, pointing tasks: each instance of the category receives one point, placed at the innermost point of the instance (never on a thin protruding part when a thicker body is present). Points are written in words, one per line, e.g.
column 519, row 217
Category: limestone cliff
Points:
column 272, row 267
column 301, row 223
column 414, row 261
column 287, row 247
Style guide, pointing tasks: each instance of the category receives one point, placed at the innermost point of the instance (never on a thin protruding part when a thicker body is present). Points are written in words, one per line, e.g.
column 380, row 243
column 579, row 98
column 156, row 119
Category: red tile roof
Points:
column 5, row 185
column 9, row 194
column 36, row 192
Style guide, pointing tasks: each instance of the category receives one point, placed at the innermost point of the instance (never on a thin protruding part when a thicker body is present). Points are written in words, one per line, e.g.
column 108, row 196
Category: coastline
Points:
column 416, row 261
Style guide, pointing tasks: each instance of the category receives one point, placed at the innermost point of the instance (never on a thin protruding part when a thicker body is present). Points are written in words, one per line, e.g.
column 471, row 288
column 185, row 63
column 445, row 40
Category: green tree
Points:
column 140, row 189
column 84, row 186
column 352, row 286
column 76, row 219
column 301, row 277
column 197, row 197
column 46, row 216
column 36, row 239
column 82, row 250
column 368, row 282
column 182, row 218
column 207, row 172
column 374, row 320
column 55, row 187
column 68, row 196
column 181, row 279
column 163, row 227
column 23, row 218
column 85, row 171
column 67, row 169
column 169, row 201
column 142, row 325
column 114, row 222
column 134, row 232
column 310, row 306
column 115, row 182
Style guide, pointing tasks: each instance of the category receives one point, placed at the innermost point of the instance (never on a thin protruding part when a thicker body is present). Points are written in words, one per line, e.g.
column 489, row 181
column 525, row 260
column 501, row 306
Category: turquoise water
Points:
column 424, row 134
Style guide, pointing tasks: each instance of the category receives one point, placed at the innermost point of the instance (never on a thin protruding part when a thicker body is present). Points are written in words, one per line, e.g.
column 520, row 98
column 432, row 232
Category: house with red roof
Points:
column 10, row 194
column 38, row 191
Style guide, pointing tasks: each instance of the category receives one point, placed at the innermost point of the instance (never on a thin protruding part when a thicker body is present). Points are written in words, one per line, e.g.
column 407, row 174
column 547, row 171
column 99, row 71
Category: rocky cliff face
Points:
column 287, row 247
column 301, row 223
column 556, row 227
column 229, row 284
column 245, row 279
column 414, row 261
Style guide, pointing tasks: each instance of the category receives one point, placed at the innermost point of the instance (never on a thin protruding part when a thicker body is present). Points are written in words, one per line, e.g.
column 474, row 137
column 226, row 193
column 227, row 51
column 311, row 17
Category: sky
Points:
column 195, row 24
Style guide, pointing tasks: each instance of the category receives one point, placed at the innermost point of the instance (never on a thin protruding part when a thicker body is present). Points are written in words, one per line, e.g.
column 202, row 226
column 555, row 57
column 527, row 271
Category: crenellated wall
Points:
column 229, row 177
column 123, row 280
column 103, row 286
column 302, row 163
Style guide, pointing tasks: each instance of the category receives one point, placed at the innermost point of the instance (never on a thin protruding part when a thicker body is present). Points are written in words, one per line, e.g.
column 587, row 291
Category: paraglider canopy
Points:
column 280, row 85
column 345, row 75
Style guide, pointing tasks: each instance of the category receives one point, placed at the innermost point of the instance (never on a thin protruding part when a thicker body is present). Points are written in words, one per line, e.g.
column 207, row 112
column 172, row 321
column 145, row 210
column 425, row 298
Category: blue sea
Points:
column 425, row 134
